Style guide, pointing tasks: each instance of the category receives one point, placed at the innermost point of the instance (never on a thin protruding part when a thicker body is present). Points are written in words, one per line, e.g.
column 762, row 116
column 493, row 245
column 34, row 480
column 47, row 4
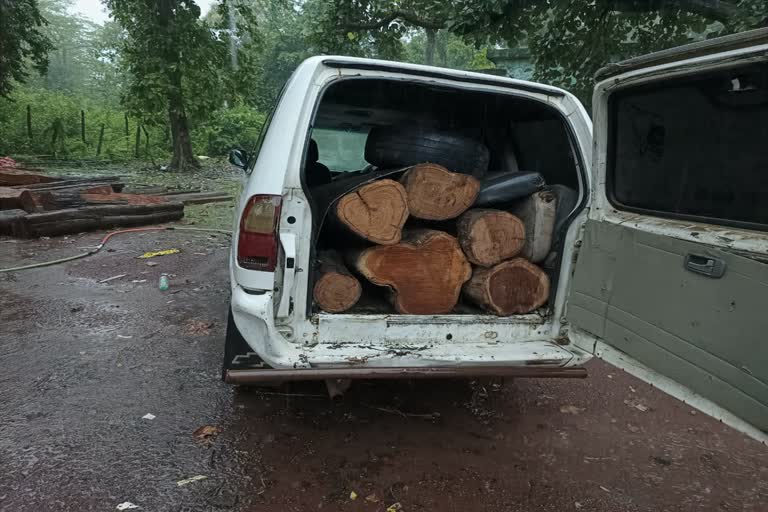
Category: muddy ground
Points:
column 81, row 362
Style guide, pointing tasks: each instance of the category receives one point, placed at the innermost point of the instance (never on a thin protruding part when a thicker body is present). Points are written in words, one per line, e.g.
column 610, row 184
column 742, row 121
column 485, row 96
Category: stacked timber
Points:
column 420, row 239
column 33, row 204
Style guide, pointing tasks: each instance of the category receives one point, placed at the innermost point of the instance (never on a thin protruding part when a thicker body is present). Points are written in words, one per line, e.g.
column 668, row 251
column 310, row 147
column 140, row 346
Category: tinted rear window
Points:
column 694, row 149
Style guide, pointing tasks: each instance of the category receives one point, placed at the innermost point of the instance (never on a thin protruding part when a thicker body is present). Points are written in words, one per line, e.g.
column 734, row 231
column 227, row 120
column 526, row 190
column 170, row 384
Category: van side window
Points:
column 256, row 149
column 695, row 149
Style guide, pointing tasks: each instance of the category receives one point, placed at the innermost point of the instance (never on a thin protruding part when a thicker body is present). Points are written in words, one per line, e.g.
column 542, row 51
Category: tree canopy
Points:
column 22, row 42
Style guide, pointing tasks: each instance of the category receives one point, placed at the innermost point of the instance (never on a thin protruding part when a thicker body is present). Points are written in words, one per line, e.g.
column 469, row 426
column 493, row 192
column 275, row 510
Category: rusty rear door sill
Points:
column 256, row 376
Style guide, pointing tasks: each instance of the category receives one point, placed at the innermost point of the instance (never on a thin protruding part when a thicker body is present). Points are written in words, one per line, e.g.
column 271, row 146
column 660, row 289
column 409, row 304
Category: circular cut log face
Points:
column 336, row 292
column 435, row 193
column 490, row 236
column 376, row 211
column 425, row 271
column 515, row 290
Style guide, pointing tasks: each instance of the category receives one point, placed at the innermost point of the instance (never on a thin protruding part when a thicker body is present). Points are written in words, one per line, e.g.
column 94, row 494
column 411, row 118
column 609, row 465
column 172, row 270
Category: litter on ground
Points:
column 191, row 480
column 164, row 252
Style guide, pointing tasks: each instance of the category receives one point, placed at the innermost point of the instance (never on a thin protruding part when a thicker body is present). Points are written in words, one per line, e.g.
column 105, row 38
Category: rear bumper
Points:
column 255, row 376
column 373, row 359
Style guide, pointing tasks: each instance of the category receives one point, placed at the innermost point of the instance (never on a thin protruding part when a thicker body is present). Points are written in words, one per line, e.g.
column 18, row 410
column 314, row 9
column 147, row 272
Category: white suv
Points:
column 658, row 263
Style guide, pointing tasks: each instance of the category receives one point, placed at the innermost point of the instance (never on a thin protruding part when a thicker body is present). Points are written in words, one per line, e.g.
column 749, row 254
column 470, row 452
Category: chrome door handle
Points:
column 705, row 265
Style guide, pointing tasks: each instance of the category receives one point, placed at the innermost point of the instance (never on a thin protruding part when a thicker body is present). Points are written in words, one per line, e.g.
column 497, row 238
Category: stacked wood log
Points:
column 75, row 220
column 33, row 204
column 435, row 193
column 512, row 287
column 376, row 211
column 336, row 290
column 425, row 271
column 423, row 268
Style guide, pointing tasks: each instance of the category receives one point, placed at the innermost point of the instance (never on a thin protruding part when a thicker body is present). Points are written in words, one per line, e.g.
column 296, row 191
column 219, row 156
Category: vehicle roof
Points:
column 340, row 61
column 688, row 51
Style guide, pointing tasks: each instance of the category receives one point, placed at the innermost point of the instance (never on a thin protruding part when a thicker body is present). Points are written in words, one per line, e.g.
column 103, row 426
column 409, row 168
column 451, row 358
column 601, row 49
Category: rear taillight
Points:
column 258, row 238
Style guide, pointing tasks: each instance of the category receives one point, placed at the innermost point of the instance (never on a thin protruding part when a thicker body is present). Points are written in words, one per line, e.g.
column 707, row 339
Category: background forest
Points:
column 164, row 82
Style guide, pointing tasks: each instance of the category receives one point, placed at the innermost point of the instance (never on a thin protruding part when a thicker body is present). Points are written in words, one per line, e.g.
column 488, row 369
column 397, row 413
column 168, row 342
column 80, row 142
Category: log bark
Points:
column 336, row 290
column 512, row 287
column 376, row 211
column 8, row 218
column 16, row 198
column 489, row 237
column 435, row 193
column 425, row 271
column 11, row 177
column 76, row 220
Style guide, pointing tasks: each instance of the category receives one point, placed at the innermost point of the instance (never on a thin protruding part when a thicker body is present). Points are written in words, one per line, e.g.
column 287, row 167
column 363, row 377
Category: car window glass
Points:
column 694, row 149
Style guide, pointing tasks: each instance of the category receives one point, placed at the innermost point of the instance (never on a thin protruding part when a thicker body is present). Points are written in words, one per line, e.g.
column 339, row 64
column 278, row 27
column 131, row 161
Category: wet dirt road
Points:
column 81, row 362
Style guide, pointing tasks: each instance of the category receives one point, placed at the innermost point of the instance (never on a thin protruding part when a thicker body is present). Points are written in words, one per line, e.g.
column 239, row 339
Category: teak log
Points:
column 16, row 198
column 336, row 290
column 75, row 220
column 435, row 193
column 425, row 271
column 376, row 211
column 490, row 236
column 8, row 218
column 512, row 287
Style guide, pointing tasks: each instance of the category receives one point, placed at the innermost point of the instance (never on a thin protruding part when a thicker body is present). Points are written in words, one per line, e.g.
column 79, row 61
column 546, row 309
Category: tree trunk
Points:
column 435, row 193
column 376, row 211
column 336, row 290
column 429, row 48
column 489, row 237
column 425, row 271
column 512, row 287
column 183, row 156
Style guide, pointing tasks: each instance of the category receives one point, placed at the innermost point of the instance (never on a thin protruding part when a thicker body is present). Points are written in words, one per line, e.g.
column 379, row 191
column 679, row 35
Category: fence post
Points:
column 138, row 140
column 146, row 141
column 29, row 122
column 101, row 138
column 82, row 126
column 126, row 124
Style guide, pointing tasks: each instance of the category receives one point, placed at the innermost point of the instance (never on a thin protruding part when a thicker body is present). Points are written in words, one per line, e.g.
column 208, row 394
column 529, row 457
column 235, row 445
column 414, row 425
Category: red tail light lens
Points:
column 258, row 239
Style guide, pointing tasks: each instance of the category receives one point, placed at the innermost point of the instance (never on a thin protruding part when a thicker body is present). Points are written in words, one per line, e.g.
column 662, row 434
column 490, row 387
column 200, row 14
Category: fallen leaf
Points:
column 151, row 263
column 198, row 328
column 126, row 505
column 191, row 480
column 206, row 432
column 372, row 498
column 353, row 495
column 395, row 507
column 570, row 409
column 148, row 416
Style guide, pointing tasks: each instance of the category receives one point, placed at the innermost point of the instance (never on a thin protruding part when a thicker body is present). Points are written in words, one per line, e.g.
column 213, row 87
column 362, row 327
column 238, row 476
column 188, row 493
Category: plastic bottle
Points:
column 164, row 283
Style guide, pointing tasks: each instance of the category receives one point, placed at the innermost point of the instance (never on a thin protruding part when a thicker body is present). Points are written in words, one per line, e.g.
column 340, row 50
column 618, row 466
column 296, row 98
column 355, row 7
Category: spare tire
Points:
column 394, row 146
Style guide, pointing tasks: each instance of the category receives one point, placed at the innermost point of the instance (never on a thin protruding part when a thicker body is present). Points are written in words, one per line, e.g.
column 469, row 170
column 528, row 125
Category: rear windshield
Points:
column 694, row 149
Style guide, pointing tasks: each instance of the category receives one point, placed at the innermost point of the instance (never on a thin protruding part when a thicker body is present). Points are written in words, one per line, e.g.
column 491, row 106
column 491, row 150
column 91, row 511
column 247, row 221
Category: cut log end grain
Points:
column 435, row 193
column 490, row 236
column 376, row 211
column 512, row 287
column 336, row 290
column 425, row 271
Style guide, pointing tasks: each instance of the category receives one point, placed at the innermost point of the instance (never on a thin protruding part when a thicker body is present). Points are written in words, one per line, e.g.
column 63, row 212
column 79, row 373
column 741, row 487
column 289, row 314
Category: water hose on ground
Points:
column 104, row 242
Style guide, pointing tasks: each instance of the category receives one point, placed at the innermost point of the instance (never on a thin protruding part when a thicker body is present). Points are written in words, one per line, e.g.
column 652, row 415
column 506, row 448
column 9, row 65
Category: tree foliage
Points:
column 174, row 65
column 22, row 42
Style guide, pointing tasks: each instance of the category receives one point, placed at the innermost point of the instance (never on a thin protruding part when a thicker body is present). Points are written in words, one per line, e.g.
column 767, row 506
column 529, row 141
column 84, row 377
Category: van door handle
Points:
column 705, row 265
